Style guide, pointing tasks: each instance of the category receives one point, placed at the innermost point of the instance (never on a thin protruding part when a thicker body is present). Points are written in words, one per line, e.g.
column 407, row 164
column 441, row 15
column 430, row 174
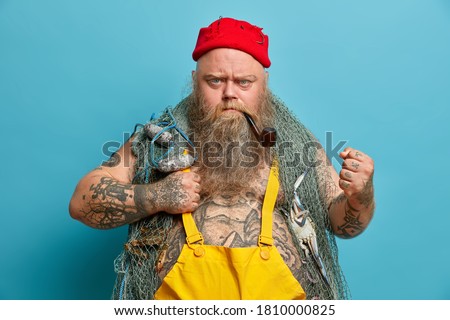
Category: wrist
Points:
column 359, row 204
column 145, row 199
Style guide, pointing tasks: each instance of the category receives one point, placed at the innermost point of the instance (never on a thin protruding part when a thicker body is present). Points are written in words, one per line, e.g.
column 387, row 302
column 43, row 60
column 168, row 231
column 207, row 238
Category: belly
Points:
column 234, row 223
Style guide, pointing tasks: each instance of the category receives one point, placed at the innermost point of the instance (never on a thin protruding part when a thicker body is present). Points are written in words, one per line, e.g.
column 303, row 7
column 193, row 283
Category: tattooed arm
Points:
column 105, row 197
column 351, row 200
column 352, row 210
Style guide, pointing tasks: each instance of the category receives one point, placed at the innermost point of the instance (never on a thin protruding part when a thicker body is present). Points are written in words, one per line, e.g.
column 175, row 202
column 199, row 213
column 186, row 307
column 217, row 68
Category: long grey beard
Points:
column 229, row 156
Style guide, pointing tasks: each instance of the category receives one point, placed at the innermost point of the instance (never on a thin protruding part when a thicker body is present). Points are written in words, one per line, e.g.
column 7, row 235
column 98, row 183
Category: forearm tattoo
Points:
column 107, row 203
column 352, row 226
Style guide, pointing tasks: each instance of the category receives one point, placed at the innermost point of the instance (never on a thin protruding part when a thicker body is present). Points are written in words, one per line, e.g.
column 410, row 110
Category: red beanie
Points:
column 234, row 34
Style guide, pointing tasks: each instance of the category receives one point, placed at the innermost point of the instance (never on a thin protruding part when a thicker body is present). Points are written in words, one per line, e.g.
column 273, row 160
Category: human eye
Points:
column 214, row 81
column 244, row 83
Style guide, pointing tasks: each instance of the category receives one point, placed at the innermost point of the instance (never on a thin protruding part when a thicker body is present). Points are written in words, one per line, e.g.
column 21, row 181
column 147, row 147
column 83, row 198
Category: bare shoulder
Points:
column 120, row 166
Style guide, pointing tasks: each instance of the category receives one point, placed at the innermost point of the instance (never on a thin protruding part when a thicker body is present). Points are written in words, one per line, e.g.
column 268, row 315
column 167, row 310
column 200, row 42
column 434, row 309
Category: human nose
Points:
column 229, row 91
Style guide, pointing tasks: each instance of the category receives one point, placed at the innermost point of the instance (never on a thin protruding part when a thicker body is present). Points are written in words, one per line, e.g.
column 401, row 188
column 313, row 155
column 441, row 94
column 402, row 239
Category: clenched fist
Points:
column 356, row 178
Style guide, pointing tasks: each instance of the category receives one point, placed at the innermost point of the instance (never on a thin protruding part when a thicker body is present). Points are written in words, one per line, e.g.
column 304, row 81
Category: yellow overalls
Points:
column 204, row 272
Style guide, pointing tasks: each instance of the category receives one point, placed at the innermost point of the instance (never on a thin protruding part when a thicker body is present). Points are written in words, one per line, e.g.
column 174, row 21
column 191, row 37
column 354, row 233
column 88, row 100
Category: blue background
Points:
column 77, row 74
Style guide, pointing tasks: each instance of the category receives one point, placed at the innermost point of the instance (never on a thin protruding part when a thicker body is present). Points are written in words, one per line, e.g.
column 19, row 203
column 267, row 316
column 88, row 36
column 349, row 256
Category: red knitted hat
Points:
column 234, row 34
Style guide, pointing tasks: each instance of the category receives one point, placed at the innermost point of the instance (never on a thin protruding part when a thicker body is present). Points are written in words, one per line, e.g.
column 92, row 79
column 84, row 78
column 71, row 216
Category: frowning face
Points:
column 230, row 76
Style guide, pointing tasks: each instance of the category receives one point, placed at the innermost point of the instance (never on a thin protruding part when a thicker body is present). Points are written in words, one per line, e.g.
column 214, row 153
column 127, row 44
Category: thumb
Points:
column 345, row 153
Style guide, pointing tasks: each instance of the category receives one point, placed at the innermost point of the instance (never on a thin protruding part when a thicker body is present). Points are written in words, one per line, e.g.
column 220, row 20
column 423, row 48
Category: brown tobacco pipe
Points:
column 267, row 137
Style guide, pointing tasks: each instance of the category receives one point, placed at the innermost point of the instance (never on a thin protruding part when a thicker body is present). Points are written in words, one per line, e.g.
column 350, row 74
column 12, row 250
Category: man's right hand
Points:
column 177, row 193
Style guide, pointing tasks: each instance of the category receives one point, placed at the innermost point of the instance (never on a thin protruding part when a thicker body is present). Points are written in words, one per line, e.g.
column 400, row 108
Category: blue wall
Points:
column 77, row 74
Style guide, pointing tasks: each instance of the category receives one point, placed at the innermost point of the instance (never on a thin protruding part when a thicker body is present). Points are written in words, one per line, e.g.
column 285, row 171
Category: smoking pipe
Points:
column 267, row 137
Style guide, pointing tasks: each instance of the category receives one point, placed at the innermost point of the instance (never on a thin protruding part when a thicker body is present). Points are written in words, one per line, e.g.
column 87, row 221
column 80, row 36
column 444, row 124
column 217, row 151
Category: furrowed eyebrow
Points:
column 247, row 77
column 212, row 76
column 221, row 76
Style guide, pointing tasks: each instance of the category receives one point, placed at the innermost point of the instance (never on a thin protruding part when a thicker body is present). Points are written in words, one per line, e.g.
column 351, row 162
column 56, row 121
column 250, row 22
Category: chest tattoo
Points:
column 234, row 222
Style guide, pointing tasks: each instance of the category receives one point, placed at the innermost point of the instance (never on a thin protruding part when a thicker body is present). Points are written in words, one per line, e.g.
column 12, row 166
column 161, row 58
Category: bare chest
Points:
column 235, row 222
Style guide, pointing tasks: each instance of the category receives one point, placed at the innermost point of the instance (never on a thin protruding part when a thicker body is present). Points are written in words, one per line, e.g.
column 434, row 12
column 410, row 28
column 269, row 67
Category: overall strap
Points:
column 192, row 233
column 270, row 199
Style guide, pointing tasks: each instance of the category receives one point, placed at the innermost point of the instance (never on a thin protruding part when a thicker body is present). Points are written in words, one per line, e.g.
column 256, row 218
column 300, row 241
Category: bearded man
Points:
column 213, row 213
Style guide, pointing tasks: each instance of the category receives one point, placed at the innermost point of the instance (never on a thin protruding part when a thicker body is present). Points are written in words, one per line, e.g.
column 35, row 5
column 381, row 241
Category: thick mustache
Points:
column 235, row 106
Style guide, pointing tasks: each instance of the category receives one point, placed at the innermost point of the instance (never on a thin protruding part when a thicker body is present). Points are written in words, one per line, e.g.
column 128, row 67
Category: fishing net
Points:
column 297, row 149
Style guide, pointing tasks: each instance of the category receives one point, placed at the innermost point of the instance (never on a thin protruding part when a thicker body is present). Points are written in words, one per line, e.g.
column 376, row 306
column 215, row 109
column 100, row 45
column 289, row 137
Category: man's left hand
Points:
column 356, row 178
